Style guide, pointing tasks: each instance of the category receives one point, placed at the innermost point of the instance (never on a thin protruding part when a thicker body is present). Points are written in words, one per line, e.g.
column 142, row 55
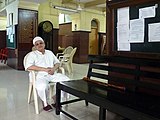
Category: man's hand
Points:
column 51, row 70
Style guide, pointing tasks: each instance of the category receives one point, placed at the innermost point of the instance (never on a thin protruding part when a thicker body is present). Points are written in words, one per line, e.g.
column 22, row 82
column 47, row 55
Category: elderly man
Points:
column 45, row 63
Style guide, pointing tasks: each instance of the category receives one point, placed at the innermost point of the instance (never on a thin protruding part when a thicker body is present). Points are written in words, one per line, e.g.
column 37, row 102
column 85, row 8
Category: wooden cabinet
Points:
column 2, row 39
column 25, row 32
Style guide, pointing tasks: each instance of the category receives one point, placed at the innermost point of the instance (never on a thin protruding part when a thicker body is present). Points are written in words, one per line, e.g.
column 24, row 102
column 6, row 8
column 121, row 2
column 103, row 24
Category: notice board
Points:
column 134, row 27
column 138, row 28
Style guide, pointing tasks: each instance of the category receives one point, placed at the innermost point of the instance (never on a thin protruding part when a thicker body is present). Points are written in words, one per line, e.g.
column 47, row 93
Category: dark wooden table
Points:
column 131, row 105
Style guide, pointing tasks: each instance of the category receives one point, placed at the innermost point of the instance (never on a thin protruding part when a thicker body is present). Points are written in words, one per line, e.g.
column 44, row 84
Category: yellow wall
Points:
column 47, row 12
column 76, row 21
column 3, row 21
column 89, row 16
column 12, row 8
column 28, row 5
column 83, row 20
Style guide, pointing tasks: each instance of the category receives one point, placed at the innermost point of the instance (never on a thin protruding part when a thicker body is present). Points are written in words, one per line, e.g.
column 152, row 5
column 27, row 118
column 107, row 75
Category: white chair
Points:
column 66, row 51
column 67, row 60
column 32, row 88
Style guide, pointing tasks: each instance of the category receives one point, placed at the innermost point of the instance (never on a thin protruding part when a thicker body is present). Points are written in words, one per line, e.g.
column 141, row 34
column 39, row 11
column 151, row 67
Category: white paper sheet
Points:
column 147, row 12
column 11, row 38
column 123, row 29
column 123, row 32
column 123, row 15
column 9, row 30
column 123, row 46
column 136, row 31
column 154, row 32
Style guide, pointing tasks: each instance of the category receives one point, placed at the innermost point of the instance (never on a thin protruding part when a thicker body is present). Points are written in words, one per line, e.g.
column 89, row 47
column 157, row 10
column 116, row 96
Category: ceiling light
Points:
column 79, row 7
column 65, row 9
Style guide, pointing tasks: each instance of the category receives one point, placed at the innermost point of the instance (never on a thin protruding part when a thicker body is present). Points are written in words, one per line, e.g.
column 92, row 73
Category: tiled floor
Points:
column 13, row 98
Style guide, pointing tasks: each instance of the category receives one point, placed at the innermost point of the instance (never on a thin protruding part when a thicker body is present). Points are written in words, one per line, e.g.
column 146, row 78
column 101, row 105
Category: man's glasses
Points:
column 38, row 43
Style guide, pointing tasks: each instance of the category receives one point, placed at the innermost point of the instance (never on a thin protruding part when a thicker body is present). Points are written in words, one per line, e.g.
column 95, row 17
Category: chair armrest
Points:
column 61, row 70
column 58, row 54
column 64, row 57
column 32, row 76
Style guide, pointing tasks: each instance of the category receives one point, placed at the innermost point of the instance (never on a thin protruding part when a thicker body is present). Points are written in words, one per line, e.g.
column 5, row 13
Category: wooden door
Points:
column 93, row 42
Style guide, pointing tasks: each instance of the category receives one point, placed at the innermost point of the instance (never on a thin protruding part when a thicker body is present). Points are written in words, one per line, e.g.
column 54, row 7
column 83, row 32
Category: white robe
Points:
column 48, row 59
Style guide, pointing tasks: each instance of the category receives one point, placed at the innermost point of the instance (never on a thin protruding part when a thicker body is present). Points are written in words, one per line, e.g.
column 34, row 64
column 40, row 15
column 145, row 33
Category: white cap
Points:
column 37, row 39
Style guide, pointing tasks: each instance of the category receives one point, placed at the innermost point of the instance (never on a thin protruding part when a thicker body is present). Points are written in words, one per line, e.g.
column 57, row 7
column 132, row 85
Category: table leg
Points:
column 86, row 102
column 102, row 113
column 58, row 99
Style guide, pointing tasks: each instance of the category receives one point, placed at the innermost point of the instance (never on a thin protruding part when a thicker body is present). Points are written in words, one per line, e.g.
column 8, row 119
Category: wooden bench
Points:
column 130, row 88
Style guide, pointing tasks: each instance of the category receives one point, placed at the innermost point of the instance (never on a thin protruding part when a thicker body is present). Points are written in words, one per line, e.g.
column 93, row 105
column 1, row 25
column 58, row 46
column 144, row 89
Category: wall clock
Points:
column 47, row 26
column 45, row 30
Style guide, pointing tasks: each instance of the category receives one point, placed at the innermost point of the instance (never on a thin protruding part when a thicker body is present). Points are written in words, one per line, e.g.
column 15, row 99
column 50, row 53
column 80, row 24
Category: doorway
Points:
column 93, row 38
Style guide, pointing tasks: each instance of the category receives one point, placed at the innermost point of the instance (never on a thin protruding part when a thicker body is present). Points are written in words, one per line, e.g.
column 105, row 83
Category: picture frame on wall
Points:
column 11, row 41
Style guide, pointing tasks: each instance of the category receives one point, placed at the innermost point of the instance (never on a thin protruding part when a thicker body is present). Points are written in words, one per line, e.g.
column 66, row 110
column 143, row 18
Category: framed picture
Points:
column 11, row 39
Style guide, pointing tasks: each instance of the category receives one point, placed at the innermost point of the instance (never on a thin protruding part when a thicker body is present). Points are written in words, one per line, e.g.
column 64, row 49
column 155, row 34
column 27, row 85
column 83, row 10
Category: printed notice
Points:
column 136, row 31
column 11, row 38
column 123, row 46
column 123, row 15
column 147, row 12
column 154, row 32
column 123, row 29
column 123, row 32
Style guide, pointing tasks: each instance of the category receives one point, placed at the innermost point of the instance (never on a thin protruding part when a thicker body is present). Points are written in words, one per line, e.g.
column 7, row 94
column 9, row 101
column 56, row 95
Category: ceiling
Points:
column 3, row 13
column 91, row 4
